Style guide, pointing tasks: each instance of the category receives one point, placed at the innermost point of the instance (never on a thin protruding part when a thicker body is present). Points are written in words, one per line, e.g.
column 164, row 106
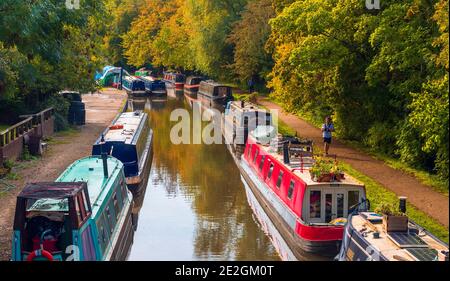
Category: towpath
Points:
column 64, row 149
column 423, row 197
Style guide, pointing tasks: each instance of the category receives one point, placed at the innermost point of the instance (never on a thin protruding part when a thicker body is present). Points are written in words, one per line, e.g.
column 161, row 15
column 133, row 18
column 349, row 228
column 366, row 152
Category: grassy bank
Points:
column 435, row 182
column 377, row 194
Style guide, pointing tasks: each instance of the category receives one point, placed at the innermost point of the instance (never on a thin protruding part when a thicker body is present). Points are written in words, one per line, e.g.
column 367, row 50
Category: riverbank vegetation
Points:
column 381, row 74
column 44, row 48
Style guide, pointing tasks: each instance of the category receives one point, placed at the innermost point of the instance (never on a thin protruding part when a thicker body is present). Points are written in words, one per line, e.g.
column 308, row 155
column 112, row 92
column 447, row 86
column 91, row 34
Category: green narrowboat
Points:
column 85, row 215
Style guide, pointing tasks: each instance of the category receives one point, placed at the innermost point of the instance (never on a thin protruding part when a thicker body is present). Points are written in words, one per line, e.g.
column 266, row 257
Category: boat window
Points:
column 291, row 189
column 261, row 163
column 116, row 205
column 272, row 166
column 103, row 236
column 280, row 179
column 256, row 155
column 328, row 207
column 340, row 205
column 246, row 121
column 222, row 91
column 315, row 204
column 124, row 193
column 353, row 199
column 111, row 221
column 268, row 119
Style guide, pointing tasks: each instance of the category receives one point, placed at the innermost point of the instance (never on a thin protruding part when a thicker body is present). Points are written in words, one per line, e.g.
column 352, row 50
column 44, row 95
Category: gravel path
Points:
column 100, row 111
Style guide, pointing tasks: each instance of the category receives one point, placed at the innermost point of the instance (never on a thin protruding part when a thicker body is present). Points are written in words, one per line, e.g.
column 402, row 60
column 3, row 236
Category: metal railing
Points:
column 24, row 126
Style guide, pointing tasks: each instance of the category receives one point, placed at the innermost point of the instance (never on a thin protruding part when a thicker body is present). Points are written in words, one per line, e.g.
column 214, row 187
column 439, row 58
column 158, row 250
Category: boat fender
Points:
column 40, row 253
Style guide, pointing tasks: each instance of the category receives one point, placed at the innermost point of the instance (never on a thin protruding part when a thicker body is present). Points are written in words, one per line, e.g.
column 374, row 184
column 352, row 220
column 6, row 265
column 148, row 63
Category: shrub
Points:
column 61, row 107
column 388, row 209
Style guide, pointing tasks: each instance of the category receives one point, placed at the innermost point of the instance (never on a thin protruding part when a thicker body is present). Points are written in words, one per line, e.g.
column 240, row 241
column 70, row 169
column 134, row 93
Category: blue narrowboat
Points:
column 129, row 138
column 84, row 216
column 133, row 86
column 154, row 87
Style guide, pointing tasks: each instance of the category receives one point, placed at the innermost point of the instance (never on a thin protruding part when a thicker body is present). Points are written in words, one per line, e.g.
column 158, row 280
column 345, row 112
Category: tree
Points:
column 249, row 37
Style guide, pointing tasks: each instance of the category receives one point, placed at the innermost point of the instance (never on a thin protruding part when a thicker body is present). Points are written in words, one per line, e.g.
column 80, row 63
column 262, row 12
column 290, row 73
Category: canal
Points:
column 195, row 206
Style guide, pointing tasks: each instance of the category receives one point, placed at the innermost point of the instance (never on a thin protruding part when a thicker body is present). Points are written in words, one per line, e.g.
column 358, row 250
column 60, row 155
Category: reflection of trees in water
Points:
column 207, row 176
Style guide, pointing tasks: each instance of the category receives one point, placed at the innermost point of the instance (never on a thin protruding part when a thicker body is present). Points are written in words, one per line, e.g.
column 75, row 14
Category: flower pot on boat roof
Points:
column 393, row 220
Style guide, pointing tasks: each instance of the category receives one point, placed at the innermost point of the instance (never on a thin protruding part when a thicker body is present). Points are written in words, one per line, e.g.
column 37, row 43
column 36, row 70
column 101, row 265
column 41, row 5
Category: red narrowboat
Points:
column 174, row 80
column 192, row 85
column 309, row 213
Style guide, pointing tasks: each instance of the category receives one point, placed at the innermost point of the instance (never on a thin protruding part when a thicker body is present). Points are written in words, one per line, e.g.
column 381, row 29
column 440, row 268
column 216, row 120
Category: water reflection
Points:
column 195, row 207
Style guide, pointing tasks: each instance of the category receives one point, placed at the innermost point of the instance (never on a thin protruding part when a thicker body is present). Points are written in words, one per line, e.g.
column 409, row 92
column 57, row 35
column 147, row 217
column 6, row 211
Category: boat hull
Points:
column 125, row 240
column 161, row 93
column 191, row 92
column 138, row 185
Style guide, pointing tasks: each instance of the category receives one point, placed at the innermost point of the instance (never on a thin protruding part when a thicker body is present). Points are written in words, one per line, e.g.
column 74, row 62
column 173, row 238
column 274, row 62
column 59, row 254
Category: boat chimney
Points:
column 402, row 204
column 286, row 153
column 105, row 164
column 104, row 157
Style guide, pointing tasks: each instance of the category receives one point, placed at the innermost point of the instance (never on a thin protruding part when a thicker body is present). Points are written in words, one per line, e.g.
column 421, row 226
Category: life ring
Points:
column 40, row 253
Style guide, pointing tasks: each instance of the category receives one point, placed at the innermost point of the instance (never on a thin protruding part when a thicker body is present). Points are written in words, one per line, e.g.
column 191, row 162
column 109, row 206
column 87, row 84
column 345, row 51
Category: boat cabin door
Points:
column 334, row 202
column 326, row 205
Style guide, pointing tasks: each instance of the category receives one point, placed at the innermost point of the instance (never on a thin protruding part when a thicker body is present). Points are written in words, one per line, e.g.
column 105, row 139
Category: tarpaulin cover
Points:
column 51, row 190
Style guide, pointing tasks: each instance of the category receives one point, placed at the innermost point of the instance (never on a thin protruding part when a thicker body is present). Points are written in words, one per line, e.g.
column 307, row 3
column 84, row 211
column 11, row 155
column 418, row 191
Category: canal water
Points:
column 195, row 206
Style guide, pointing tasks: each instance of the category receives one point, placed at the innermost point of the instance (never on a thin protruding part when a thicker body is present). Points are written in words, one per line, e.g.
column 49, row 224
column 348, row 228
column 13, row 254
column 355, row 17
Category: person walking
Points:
column 251, row 85
column 327, row 130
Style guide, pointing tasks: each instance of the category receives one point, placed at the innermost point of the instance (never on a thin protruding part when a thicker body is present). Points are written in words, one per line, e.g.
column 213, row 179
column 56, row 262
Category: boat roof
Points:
column 53, row 197
column 408, row 246
column 131, row 78
column 149, row 78
column 300, row 166
column 245, row 107
column 90, row 170
column 131, row 122
column 214, row 83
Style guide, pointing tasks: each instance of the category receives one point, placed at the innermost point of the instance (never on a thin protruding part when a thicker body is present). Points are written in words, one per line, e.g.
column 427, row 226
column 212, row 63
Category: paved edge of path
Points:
column 421, row 196
column 100, row 111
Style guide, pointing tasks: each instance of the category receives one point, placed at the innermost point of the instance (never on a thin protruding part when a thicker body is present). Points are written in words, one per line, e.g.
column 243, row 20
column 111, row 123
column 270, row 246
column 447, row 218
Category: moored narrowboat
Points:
column 154, row 87
column 366, row 239
column 309, row 213
column 84, row 216
column 238, row 120
column 192, row 85
column 214, row 95
column 174, row 80
column 133, row 86
column 129, row 138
